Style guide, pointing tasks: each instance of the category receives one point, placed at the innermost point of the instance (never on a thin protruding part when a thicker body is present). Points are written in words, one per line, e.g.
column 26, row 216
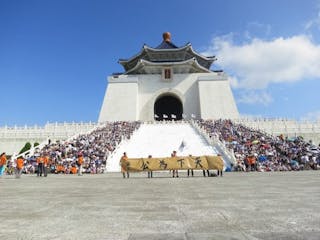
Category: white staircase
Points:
column 159, row 140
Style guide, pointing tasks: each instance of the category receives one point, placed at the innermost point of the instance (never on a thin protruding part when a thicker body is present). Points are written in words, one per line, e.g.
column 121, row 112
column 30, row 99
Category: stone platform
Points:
column 236, row 206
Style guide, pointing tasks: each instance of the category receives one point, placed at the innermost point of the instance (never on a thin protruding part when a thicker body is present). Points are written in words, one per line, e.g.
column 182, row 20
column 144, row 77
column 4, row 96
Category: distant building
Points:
column 168, row 82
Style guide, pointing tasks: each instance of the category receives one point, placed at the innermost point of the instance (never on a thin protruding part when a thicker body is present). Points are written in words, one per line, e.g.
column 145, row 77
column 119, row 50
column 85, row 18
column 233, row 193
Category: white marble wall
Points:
column 13, row 138
column 132, row 97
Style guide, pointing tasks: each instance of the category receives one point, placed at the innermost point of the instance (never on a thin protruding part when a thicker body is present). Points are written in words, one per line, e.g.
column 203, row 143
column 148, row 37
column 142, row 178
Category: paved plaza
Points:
column 280, row 205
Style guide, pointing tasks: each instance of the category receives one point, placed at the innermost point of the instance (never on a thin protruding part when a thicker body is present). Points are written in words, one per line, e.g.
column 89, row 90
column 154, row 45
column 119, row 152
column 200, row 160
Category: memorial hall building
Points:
column 165, row 82
column 168, row 83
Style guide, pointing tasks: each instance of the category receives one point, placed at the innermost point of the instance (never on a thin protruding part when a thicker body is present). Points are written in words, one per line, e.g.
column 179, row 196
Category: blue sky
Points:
column 55, row 55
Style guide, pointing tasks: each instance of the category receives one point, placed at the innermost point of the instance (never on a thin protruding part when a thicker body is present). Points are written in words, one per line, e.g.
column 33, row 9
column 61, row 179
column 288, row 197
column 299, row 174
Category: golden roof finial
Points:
column 166, row 37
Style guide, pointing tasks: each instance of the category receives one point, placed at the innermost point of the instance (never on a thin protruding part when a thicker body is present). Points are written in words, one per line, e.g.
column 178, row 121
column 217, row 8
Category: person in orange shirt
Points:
column 45, row 165
column 60, row 169
column 3, row 163
column 251, row 162
column 124, row 165
column 73, row 169
column 19, row 166
column 79, row 164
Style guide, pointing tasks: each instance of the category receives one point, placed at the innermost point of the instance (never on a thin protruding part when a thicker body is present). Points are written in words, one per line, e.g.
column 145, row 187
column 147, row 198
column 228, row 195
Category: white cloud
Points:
column 258, row 63
column 255, row 97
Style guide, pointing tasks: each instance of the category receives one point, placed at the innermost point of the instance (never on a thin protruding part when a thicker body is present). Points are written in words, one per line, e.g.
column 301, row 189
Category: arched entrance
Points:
column 168, row 107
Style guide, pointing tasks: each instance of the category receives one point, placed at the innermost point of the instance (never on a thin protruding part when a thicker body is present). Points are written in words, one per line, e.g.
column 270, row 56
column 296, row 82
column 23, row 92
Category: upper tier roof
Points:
column 166, row 45
column 167, row 52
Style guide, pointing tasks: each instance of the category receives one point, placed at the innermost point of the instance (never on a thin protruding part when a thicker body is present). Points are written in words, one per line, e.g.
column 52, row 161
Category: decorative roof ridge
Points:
column 142, row 62
column 168, row 49
column 210, row 58
column 145, row 47
column 121, row 60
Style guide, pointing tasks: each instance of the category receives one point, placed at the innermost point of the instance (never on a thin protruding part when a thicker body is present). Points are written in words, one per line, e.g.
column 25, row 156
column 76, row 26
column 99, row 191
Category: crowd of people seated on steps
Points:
column 254, row 150
column 258, row 151
column 95, row 148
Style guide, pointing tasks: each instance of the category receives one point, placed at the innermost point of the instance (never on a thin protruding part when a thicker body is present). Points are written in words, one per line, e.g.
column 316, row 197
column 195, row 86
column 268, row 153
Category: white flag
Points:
column 182, row 146
column 173, row 116
column 165, row 116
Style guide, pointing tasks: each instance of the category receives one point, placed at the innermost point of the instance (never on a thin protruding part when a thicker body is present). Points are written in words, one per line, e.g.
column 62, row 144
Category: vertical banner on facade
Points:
column 172, row 163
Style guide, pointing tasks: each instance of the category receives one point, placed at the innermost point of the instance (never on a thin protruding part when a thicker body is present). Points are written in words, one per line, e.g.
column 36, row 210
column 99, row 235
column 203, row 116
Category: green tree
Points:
column 26, row 147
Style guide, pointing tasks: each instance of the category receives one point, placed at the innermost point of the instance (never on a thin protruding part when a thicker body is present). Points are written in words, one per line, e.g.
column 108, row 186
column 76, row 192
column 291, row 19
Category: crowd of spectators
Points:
column 254, row 150
column 258, row 151
column 95, row 147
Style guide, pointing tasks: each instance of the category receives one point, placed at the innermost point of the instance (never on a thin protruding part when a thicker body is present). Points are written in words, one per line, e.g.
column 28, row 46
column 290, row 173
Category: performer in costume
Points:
column 124, row 165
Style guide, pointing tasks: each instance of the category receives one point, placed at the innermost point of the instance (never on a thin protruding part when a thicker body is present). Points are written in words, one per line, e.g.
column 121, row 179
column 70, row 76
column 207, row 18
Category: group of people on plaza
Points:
column 63, row 157
column 19, row 163
column 258, row 151
column 254, row 151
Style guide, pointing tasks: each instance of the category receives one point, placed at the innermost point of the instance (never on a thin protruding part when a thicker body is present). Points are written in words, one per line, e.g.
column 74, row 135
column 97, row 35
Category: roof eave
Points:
column 191, row 61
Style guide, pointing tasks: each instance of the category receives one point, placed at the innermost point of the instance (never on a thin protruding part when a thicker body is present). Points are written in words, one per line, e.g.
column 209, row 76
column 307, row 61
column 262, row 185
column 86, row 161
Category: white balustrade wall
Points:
column 309, row 130
column 13, row 138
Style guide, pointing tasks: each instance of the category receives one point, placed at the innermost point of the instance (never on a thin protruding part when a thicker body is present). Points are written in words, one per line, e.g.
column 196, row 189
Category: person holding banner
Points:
column 204, row 173
column 124, row 165
column 149, row 172
column 174, row 172
column 190, row 170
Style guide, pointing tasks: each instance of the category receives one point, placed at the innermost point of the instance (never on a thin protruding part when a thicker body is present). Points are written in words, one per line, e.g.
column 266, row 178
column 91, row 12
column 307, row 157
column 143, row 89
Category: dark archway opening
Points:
column 168, row 107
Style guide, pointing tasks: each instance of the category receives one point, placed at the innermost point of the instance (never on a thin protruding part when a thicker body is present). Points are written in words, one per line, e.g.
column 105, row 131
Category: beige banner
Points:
column 172, row 163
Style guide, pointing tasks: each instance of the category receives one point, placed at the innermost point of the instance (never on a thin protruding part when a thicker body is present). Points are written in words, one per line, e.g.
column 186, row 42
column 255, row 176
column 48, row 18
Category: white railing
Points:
column 56, row 131
column 215, row 142
column 310, row 130
column 47, row 127
column 31, row 151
